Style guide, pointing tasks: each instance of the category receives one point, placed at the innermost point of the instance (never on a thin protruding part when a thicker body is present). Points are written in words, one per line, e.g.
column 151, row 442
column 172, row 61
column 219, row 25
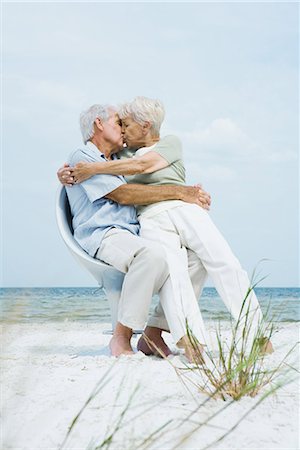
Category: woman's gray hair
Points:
column 88, row 117
column 143, row 109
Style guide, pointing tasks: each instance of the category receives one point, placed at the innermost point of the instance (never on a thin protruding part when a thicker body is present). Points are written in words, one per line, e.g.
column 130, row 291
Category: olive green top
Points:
column 170, row 149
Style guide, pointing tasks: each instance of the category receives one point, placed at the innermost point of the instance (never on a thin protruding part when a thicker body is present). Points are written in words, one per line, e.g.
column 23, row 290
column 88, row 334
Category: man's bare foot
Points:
column 120, row 342
column 194, row 352
column 159, row 347
column 120, row 346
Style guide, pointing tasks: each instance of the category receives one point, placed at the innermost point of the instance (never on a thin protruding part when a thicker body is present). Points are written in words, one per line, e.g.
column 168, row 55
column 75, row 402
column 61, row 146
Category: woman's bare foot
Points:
column 153, row 336
column 194, row 352
column 120, row 342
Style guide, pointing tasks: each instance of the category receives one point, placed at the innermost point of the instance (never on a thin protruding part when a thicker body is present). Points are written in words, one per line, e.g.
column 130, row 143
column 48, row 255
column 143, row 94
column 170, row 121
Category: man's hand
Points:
column 64, row 175
column 195, row 194
column 206, row 194
column 140, row 194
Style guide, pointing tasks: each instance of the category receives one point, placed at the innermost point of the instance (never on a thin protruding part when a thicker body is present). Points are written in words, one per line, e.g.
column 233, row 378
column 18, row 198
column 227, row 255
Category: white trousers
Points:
column 191, row 226
column 147, row 266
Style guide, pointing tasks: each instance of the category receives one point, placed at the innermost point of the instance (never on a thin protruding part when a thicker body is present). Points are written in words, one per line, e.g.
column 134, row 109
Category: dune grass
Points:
column 238, row 368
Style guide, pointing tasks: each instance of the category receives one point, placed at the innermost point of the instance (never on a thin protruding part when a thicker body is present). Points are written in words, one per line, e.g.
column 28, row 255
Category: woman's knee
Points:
column 157, row 257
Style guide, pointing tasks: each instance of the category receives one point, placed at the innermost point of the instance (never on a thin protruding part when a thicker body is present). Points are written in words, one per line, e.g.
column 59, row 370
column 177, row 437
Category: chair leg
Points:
column 112, row 285
column 113, row 298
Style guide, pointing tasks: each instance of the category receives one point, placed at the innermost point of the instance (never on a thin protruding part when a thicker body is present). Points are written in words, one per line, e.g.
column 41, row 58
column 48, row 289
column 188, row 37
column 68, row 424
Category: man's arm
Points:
column 137, row 194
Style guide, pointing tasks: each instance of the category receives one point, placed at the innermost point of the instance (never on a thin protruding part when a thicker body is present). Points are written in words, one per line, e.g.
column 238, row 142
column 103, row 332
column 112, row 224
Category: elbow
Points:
column 122, row 201
column 150, row 167
column 120, row 198
column 119, row 195
column 140, row 167
column 149, row 170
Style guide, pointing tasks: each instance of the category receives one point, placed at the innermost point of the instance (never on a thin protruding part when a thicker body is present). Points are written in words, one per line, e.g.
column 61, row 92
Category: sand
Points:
column 50, row 369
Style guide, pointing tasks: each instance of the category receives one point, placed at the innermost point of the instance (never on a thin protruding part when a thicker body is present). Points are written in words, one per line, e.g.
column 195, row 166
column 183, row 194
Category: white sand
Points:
column 50, row 369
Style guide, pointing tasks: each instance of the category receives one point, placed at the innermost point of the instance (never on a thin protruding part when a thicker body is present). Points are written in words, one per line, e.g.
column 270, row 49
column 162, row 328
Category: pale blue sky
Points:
column 227, row 74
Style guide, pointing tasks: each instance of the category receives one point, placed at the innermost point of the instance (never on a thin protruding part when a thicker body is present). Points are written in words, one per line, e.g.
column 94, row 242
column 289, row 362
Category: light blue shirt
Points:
column 93, row 214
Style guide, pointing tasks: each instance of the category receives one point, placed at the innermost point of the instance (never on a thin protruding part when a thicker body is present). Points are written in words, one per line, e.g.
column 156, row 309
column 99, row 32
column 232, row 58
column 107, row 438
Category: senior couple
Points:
column 132, row 210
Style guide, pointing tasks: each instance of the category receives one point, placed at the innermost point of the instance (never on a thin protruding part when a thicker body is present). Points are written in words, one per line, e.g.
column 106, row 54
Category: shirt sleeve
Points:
column 169, row 148
column 97, row 186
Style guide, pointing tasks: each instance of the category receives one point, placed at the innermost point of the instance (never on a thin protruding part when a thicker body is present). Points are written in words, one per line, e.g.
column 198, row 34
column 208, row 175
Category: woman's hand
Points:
column 68, row 176
column 64, row 174
column 82, row 171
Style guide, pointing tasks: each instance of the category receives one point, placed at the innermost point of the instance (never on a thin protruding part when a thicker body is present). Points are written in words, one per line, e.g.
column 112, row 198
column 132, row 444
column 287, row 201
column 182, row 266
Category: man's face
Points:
column 133, row 133
column 112, row 131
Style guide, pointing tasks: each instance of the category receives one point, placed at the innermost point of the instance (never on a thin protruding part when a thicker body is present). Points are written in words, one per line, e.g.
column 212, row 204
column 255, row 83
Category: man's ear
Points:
column 98, row 124
column 146, row 127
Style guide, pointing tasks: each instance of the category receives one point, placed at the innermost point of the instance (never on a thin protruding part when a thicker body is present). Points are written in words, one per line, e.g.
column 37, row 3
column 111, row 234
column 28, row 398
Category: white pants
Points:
column 146, row 269
column 147, row 266
column 197, row 275
column 191, row 226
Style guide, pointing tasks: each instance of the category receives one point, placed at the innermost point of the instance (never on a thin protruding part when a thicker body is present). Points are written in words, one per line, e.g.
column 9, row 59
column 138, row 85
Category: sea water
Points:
column 91, row 305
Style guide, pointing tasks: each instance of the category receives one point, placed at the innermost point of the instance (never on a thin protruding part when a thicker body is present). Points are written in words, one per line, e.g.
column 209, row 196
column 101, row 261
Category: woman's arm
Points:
column 148, row 163
column 82, row 171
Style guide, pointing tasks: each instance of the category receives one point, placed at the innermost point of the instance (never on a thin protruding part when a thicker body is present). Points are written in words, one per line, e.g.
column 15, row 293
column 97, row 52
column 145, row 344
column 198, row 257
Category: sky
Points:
column 227, row 74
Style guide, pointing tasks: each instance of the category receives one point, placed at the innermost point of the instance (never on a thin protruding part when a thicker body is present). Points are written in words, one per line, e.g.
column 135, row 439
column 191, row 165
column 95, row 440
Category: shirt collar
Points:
column 95, row 149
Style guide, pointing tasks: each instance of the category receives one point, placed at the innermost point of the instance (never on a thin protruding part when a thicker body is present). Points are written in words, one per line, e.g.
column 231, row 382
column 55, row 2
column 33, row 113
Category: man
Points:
column 105, row 225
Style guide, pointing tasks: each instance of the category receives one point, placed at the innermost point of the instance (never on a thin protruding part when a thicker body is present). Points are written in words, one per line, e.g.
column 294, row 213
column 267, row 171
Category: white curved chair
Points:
column 107, row 276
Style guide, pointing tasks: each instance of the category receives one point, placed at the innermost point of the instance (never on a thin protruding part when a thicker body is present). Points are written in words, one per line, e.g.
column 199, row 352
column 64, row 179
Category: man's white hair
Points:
column 143, row 109
column 88, row 117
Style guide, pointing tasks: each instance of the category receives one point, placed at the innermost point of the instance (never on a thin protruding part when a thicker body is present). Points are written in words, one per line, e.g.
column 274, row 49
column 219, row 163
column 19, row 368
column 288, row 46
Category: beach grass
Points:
column 238, row 368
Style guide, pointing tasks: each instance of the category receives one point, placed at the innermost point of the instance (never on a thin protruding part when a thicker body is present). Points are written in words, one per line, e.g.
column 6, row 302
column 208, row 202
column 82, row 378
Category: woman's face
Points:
column 133, row 133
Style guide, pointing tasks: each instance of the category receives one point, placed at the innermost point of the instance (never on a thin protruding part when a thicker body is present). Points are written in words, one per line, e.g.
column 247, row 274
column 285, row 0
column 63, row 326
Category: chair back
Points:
column 98, row 269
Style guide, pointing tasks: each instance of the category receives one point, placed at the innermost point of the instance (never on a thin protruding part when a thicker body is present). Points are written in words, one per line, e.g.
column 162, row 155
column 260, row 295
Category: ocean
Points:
column 90, row 305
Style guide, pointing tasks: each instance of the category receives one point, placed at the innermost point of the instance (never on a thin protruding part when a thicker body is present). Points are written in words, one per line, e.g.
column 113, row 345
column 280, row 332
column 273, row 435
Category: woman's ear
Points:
column 146, row 127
